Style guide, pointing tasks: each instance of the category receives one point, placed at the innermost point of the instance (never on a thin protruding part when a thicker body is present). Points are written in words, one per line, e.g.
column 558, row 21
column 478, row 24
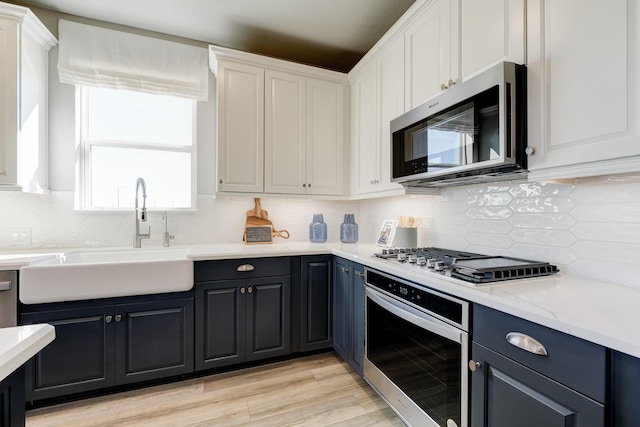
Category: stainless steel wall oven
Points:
column 416, row 350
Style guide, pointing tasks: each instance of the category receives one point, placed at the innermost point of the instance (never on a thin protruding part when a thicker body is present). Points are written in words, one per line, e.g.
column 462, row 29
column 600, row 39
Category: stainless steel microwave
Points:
column 473, row 132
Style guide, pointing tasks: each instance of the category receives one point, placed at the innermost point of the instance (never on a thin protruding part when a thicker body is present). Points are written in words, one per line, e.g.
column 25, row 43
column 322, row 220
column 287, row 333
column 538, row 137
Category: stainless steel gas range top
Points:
column 470, row 267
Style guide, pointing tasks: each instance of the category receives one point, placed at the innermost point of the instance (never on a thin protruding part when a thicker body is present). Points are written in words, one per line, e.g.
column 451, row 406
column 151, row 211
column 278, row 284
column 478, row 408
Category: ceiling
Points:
column 332, row 34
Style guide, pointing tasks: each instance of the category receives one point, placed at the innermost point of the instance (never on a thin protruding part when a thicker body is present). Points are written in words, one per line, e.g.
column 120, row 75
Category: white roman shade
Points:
column 94, row 56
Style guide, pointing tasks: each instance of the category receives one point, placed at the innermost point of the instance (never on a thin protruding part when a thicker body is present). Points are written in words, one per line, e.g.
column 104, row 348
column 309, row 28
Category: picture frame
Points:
column 387, row 233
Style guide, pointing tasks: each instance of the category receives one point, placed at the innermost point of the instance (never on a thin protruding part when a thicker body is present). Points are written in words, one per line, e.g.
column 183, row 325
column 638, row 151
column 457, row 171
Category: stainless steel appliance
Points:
column 474, row 269
column 8, row 299
column 473, row 132
column 416, row 344
column 416, row 350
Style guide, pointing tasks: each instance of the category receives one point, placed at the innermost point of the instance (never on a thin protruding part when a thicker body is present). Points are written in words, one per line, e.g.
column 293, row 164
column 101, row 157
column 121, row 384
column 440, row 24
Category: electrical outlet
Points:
column 20, row 236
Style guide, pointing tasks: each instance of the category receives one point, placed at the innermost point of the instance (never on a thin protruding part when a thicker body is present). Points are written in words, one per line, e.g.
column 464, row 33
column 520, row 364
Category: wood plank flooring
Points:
column 318, row 390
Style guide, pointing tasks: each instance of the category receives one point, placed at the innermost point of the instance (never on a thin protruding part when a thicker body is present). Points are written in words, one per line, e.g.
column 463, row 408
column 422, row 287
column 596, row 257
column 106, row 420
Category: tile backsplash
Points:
column 590, row 228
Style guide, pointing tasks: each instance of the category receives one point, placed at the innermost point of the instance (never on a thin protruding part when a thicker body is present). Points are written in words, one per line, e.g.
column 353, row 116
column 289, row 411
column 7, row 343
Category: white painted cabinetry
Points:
column 584, row 96
column 432, row 52
column 491, row 31
column 24, row 97
column 304, row 135
column 377, row 98
column 240, row 127
column 281, row 126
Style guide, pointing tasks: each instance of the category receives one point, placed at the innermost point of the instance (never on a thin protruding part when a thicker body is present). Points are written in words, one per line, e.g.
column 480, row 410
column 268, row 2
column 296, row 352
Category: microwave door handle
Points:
column 416, row 317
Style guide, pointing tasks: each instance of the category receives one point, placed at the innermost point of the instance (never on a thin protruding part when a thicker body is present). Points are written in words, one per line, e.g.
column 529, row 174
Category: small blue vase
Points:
column 317, row 229
column 349, row 229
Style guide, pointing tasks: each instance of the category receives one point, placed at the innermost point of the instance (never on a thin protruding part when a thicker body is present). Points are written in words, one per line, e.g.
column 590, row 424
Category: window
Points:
column 125, row 135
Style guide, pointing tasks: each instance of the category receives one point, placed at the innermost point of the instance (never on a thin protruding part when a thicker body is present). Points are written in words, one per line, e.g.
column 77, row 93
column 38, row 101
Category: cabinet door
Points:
column 364, row 157
column 315, row 303
column 9, row 42
column 79, row 359
column 284, row 143
column 220, row 323
column 582, row 103
column 390, row 105
column 12, row 409
column 268, row 323
column 625, row 377
column 505, row 393
column 154, row 340
column 491, row 31
column 325, row 155
column 341, row 309
column 240, row 127
column 432, row 52
column 356, row 360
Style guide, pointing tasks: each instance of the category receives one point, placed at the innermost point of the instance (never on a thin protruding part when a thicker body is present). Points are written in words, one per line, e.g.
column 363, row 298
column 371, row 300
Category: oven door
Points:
column 416, row 362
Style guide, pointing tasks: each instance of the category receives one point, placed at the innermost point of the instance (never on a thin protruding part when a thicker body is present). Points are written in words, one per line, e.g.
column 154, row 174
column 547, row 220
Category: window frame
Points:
column 83, row 200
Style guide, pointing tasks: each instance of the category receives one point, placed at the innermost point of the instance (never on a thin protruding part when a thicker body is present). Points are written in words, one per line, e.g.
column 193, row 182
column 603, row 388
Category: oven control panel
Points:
column 428, row 300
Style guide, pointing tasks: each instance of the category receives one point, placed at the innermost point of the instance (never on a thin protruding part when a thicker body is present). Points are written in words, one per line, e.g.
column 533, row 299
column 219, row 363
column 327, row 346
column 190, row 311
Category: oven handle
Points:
column 416, row 317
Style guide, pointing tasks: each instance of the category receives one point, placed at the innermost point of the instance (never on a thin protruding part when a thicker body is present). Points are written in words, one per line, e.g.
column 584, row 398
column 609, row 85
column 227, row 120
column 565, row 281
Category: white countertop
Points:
column 21, row 343
column 604, row 313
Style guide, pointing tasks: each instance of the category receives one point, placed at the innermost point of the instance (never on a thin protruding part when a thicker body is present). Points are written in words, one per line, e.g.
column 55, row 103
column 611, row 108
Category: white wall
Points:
column 590, row 229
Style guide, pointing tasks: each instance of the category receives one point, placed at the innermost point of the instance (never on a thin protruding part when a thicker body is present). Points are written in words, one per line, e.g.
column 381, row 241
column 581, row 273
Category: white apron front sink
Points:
column 105, row 273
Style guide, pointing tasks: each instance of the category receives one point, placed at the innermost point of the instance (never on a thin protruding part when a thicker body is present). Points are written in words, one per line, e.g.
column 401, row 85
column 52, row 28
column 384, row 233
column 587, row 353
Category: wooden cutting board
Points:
column 258, row 228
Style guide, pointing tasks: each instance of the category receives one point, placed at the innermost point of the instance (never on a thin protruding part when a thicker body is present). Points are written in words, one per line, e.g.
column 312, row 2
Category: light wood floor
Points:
column 319, row 390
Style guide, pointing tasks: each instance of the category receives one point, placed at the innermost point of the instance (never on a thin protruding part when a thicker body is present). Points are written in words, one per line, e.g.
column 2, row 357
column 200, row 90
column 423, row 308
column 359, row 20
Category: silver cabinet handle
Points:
column 443, row 87
column 526, row 343
column 5, row 286
column 108, row 319
column 242, row 291
column 345, row 270
column 473, row 365
column 250, row 289
column 118, row 317
column 359, row 274
column 245, row 267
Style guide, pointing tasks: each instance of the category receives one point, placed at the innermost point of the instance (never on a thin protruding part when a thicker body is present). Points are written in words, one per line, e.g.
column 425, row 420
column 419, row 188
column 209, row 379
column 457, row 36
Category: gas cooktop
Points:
column 467, row 266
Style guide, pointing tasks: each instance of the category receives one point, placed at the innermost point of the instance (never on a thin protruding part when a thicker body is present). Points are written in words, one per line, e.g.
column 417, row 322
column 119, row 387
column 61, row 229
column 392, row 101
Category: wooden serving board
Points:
column 258, row 228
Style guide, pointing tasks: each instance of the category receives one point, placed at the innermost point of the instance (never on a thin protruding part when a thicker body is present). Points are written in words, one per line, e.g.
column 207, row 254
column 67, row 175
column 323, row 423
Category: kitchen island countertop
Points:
column 19, row 344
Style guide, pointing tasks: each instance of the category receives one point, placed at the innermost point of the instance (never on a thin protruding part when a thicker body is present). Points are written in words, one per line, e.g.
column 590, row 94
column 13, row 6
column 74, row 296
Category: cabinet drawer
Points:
column 574, row 362
column 253, row 267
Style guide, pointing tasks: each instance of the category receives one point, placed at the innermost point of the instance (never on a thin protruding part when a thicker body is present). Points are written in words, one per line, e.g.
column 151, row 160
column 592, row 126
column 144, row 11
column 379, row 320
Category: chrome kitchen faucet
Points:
column 137, row 238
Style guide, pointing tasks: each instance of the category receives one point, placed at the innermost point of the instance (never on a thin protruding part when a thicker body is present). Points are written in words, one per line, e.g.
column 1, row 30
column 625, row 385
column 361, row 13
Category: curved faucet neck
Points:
column 141, row 182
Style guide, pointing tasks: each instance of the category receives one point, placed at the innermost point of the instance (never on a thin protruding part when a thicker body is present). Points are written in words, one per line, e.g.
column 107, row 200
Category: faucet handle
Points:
column 167, row 238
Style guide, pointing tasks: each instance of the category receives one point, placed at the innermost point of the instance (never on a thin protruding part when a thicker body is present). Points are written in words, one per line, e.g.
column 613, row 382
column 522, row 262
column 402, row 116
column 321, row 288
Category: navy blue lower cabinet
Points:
column 625, row 381
column 527, row 375
column 505, row 393
column 348, row 312
column 12, row 410
column 110, row 345
column 315, row 302
column 80, row 359
column 241, row 315
column 153, row 340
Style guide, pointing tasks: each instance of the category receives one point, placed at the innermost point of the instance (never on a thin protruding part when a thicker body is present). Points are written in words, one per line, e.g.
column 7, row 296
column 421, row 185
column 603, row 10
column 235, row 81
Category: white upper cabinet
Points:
column 281, row 126
column 304, row 142
column 24, row 98
column 285, row 133
column 240, row 127
column 491, row 31
column 432, row 53
column 377, row 98
column 325, row 145
column 583, row 88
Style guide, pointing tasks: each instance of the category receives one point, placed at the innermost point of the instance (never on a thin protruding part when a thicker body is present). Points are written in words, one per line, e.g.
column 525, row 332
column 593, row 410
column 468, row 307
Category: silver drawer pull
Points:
column 526, row 343
column 245, row 267
column 5, row 286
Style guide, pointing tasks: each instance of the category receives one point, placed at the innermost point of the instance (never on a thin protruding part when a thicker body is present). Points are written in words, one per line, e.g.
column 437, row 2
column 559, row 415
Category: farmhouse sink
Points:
column 105, row 273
